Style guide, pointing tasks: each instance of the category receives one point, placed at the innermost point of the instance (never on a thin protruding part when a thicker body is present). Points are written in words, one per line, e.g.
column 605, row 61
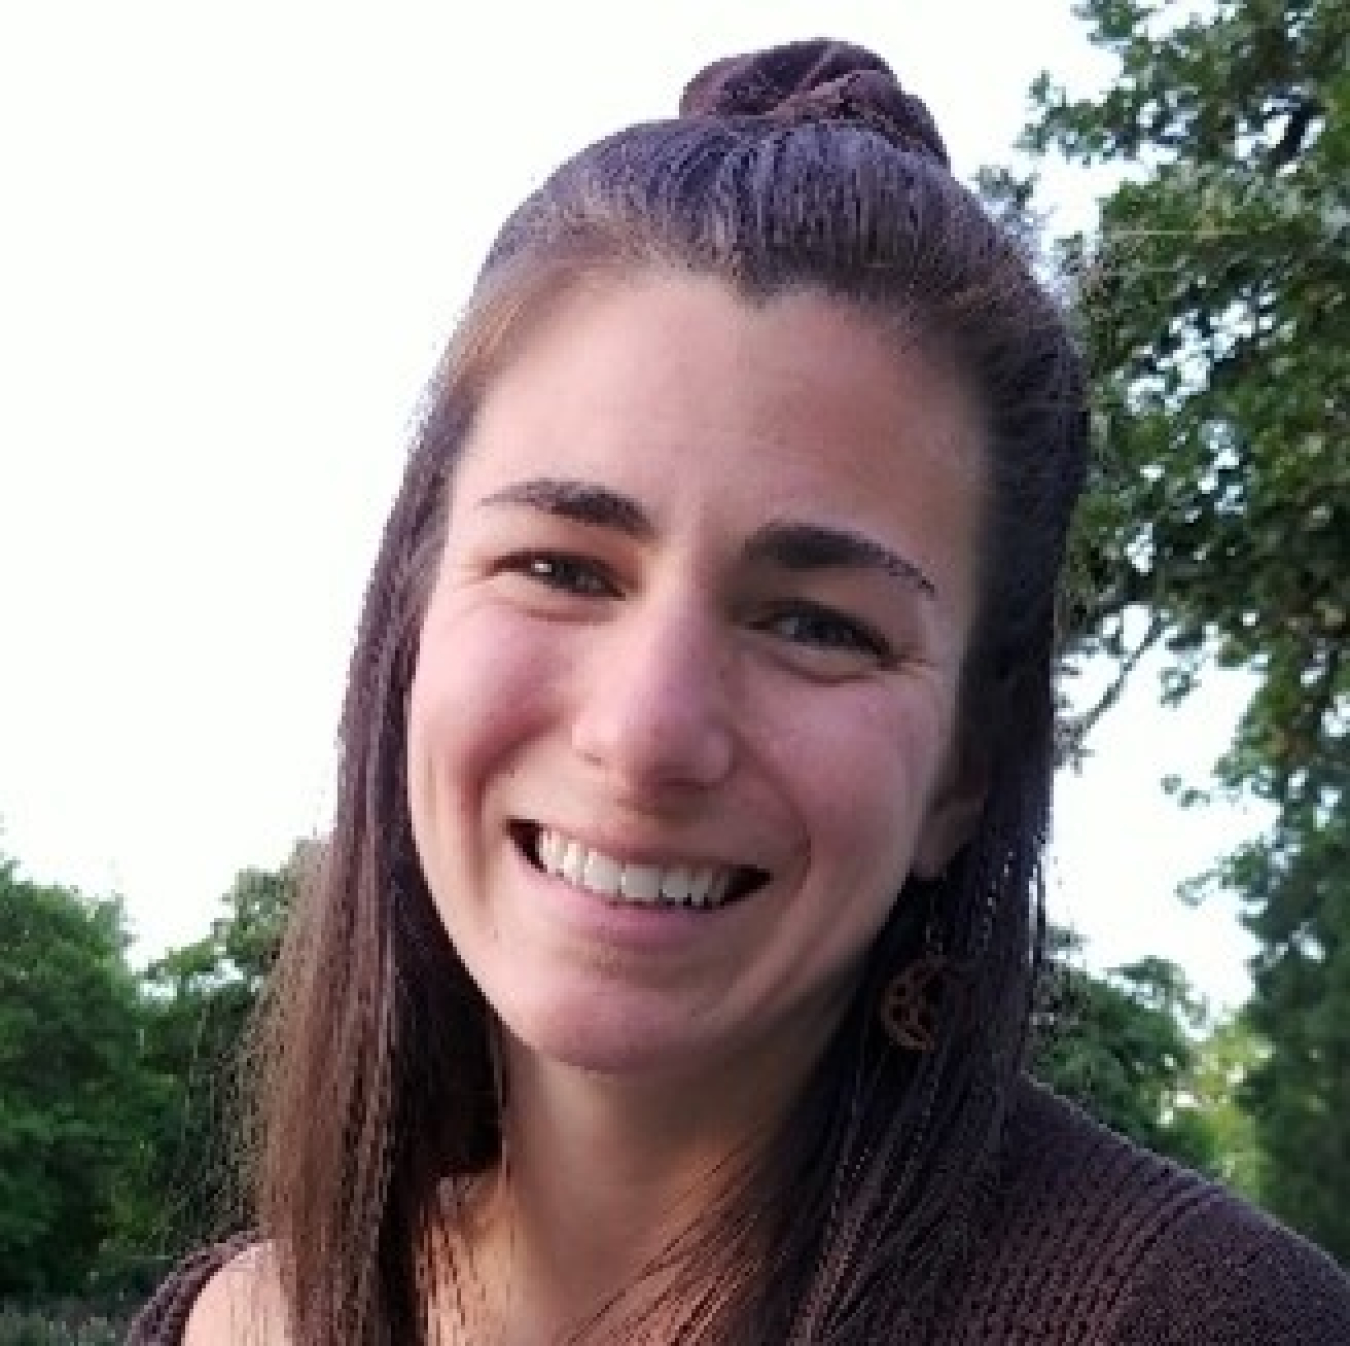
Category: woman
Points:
column 668, row 977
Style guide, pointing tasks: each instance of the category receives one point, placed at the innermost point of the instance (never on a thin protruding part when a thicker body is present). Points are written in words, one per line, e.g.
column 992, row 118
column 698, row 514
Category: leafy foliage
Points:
column 1123, row 1047
column 199, row 1002
column 72, row 1327
column 1215, row 300
column 117, row 1146
column 1224, row 1060
column 73, row 1105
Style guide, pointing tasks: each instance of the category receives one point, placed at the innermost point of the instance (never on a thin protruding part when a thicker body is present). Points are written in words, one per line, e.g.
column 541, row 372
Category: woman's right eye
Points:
column 564, row 572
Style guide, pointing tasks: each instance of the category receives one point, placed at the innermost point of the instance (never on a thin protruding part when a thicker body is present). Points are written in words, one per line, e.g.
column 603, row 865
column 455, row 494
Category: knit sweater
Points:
column 1091, row 1240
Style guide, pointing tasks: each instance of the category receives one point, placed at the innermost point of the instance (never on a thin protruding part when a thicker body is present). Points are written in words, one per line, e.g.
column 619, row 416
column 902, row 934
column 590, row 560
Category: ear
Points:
column 953, row 813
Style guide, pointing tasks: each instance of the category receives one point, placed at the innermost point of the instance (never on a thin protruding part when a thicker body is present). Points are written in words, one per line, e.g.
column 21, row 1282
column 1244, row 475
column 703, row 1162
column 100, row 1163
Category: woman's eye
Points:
column 822, row 629
column 568, row 574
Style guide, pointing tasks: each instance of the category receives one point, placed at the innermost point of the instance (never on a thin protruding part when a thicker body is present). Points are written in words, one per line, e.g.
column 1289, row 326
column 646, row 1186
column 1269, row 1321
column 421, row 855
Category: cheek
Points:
column 865, row 779
column 478, row 692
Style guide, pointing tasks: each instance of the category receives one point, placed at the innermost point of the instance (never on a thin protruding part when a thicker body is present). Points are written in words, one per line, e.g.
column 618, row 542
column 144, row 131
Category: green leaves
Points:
column 71, row 1098
column 1126, row 1047
column 117, row 1091
column 1215, row 304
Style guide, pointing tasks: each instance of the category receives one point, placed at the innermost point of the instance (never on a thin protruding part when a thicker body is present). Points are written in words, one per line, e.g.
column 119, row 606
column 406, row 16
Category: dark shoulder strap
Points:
column 163, row 1320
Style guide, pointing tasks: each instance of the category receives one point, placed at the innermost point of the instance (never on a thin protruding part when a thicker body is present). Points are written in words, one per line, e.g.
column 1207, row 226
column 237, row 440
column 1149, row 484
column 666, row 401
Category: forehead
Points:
column 667, row 362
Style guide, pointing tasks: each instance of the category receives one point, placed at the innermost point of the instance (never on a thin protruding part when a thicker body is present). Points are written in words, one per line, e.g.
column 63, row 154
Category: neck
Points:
column 602, row 1179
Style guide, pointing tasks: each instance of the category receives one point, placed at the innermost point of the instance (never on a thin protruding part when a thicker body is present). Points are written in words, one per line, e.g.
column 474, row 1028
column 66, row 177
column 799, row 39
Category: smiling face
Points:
column 684, row 713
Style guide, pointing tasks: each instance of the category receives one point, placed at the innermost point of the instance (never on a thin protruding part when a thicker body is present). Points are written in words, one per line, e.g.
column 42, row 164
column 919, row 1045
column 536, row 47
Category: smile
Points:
column 664, row 885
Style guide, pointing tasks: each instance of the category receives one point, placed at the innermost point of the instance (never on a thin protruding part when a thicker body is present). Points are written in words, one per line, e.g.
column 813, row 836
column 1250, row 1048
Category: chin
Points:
column 609, row 1038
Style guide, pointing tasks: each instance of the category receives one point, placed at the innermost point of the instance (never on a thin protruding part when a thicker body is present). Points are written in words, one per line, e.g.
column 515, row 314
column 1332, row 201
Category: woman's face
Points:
column 684, row 715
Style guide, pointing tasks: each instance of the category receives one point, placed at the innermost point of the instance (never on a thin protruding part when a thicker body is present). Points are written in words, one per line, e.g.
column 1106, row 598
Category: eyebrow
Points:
column 579, row 501
column 791, row 544
column 810, row 546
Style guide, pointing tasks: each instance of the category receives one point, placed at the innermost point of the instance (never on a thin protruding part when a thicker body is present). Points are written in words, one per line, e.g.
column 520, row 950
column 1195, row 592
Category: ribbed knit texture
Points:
column 1095, row 1240
column 1092, row 1241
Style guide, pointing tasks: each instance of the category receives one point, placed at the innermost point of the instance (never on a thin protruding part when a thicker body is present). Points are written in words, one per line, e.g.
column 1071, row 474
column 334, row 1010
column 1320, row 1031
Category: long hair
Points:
column 379, row 1100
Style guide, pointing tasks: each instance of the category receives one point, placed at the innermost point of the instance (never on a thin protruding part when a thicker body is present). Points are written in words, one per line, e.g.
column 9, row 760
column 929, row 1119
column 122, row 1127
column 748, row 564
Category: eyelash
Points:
column 585, row 578
column 564, row 572
column 856, row 637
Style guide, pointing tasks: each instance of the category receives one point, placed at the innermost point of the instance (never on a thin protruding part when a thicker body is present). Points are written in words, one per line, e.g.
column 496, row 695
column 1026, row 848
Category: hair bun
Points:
column 818, row 80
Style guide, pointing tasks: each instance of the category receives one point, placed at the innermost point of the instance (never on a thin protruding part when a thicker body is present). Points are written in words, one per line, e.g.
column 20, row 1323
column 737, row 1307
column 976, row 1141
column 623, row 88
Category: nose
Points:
column 654, row 713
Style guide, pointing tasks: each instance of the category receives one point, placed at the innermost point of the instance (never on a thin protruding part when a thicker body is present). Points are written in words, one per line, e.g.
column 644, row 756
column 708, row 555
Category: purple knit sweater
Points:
column 1092, row 1240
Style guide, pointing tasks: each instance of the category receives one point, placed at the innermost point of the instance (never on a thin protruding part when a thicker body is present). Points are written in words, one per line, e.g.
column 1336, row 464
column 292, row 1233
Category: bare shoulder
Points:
column 241, row 1305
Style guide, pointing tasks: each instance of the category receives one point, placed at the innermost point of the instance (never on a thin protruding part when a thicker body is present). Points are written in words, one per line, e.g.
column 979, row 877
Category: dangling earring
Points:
column 911, row 999
column 909, row 1003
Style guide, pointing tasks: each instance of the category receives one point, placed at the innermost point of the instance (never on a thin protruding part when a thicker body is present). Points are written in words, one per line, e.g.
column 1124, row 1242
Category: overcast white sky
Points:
column 232, row 239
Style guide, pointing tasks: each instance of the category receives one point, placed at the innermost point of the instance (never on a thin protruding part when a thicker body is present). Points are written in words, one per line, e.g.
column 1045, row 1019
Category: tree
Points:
column 200, row 999
column 74, row 1103
column 1298, row 884
column 1215, row 301
column 1223, row 1063
column 1122, row 1047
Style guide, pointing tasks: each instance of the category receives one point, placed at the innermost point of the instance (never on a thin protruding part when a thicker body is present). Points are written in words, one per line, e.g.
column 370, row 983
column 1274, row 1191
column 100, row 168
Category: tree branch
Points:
column 1296, row 128
column 1075, row 731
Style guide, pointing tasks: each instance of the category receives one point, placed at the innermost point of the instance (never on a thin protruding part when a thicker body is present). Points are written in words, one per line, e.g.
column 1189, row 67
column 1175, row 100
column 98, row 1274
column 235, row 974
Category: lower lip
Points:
column 634, row 926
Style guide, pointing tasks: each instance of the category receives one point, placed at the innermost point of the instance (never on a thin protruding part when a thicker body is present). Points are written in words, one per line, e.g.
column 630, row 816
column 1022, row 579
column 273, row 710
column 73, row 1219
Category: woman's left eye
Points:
column 824, row 629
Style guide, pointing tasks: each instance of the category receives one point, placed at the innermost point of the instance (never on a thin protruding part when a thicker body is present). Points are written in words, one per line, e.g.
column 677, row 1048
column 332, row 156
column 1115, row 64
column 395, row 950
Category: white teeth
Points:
column 645, row 884
column 700, row 885
column 641, row 883
column 551, row 847
column 572, row 866
column 675, row 885
column 601, row 874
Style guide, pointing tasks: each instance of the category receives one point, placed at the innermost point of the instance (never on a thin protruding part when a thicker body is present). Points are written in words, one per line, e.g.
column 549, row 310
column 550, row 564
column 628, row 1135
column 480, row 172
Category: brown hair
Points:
column 805, row 167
